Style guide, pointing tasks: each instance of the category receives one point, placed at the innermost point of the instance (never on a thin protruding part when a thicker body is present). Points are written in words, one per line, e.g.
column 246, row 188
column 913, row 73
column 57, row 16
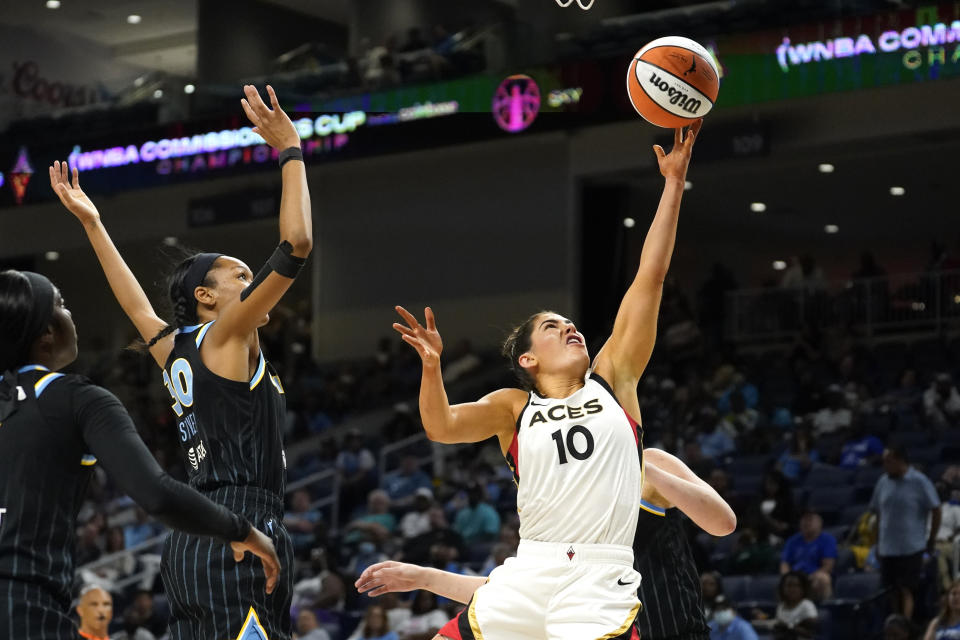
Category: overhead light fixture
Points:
column 758, row 207
column 170, row 241
column 158, row 94
column 779, row 265
column 897, row 191
column 52, row 256
column 53, row 4
column 687, row 185
column 189, row 88
column 825, row 167
column 629, row 222
column 133, row 19
column 831, row 228
column 139, row 81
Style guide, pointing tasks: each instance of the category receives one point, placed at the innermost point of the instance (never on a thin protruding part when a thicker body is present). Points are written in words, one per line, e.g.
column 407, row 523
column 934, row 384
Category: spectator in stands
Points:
column 402, row 484
column 905, row 502
column 426, row 617
column 941, row 403
column 415, row 41
column 355, row 463
column 417, row 521
column 715, row 443
column 140, row 531
column 776, row 506
column 946, row 626
column 906, row 399
column 95, row 609
column 308, row 627
column 727, row 382
column 751, row 554
column 376, row 525
column 374, row 626
column 711, row 588
column 417, row 550
column 498, row 555
column 740, row 423
column 795, row 462
column 477, row 522
column 949, row 534
column 813, row 552
column 727, row 624
column 835, row 416
column 323, row 590
column 896, row 627
column 460, row 361
column 301, row 521
column 796, row 615
column 861, row 449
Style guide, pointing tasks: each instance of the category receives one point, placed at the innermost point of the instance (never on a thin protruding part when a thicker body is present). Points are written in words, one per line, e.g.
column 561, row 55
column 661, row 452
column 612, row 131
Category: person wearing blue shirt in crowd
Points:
column 795, row 462
column 727, row 624
column 477, row 521
column 813, row 552
column 860, row 449
column 402, row 484
column 908, row 519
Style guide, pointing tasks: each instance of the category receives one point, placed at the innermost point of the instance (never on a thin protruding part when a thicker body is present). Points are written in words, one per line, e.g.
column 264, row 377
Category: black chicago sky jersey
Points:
column 670, row 586
column 230, row 431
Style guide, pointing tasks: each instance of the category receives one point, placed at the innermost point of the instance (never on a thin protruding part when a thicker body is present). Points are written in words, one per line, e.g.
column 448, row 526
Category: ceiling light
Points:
column 52, row 255
column 158, row 94
column 831, row 228
column 779, row 265
column 825, row 167
column 897, row 191
column 687, row 185
column 189, row 88
column 170, row 241
column 629, row 222
column 758, row 207
column 53, row 4
column 134, row 19
column 139, row 81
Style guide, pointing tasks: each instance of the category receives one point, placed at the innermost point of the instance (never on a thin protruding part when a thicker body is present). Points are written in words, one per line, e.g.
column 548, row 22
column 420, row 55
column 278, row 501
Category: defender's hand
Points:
column 261, row 546
column 71, row 195
column 273, row 125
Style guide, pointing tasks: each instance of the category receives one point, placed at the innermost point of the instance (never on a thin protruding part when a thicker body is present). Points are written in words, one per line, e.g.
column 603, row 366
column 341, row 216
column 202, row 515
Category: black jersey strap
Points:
column 10, row 394
column 282, row 262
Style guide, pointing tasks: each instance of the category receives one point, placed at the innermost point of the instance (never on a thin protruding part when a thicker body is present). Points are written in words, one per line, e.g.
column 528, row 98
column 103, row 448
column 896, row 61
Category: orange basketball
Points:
column 673, row 81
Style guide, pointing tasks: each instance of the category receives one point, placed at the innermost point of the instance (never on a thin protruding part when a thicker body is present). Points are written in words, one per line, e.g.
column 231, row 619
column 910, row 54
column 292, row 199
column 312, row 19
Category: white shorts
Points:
column 555, row 591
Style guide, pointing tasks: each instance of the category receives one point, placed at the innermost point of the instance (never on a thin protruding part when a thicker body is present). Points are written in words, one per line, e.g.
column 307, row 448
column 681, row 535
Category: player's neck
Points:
column 558, row 386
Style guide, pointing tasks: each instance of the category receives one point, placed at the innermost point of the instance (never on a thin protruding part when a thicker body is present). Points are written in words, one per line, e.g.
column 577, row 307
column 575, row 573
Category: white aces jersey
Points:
column 578, row 466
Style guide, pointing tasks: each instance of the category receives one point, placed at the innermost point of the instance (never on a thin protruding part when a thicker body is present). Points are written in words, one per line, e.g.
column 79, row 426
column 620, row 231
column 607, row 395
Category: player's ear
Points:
column 205, row 295
column 527, row 360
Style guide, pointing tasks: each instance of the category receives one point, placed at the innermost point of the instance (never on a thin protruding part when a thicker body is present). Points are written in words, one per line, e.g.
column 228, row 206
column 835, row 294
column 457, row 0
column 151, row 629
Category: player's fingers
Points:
column 256, row 102
column 379, row 591
column 76, row 177
column 251, row 114
column 271, row 569
column 695, row 128
column 237, row 555
column 677, row 137
column 406, row 315
column 430, row 318
column 64, row 178
column 53, row 180
column 403, row 330
column 657, row 149
column 273, row 98
column 416, row 344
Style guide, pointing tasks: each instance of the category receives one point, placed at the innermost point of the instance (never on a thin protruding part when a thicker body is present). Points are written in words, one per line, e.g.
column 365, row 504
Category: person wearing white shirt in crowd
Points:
column 941, row 402
column 796, row 615
column 417, row 521
column 835, row 416
column 948, row 536
column 425, row 620
column 308, row 627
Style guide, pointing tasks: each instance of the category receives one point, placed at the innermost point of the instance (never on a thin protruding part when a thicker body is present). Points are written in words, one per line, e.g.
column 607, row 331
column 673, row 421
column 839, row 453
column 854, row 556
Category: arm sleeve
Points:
column 110, row 434
column 930, row 492
column 829, row 546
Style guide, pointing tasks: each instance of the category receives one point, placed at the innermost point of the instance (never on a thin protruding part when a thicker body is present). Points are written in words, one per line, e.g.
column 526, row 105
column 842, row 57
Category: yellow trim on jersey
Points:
column 652, row 508
column 88, row 460
column 276, row 382
column 626, row 625
column 203, row 332
column 472, row 618
column 44, row 381
column 258, row 375
column 246, row 624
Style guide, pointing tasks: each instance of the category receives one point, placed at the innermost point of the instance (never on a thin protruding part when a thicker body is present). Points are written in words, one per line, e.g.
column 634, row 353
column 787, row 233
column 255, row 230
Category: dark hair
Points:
column 16, row 303
column 517, row 344
column 184, row 308
column 804, row 583
column 899, row 451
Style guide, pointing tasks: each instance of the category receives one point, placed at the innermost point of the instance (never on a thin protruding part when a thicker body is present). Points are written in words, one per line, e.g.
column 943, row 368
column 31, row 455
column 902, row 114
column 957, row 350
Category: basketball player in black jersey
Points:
column 229, row 402
column 54, row 429
column 670, row 588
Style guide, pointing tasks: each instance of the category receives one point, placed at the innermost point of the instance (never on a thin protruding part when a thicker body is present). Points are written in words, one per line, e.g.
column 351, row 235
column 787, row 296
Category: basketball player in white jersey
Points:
column 573, row 440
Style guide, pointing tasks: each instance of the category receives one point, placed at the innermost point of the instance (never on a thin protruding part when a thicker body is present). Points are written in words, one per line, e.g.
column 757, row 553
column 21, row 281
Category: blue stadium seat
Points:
column 827, row 475
column 852, row 513
column 867, row 476
column 857, row 586
column 800, row 496
column 748, row 485
column 735, row 588
column 910, row 439
column 926, row 456
column 747, row 466
column 833, row 499
column 838, row 531
column 824, row 624
column 762, row 590
column 845, row 561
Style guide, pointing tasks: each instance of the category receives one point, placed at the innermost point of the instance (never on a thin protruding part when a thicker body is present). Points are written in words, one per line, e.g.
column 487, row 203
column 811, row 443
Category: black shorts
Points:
column 214, row 598
column 30, row 611
column 902, row 571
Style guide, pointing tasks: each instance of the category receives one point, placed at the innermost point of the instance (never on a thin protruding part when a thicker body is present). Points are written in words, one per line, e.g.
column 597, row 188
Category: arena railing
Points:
column 922, row 303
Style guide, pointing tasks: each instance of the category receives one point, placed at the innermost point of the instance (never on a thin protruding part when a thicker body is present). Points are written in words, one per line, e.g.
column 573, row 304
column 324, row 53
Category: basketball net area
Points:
column 583, row 4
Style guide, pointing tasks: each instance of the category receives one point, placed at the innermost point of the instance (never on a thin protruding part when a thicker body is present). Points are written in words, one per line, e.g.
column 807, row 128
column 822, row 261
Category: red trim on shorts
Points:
column 451, row 629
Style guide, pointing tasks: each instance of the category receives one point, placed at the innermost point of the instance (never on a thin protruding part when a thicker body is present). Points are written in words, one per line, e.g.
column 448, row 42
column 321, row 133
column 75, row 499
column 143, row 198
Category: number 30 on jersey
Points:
column 180, row 386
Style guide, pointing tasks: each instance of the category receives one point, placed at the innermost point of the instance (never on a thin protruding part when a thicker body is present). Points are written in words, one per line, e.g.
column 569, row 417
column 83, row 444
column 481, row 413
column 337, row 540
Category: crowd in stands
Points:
column 835, row 453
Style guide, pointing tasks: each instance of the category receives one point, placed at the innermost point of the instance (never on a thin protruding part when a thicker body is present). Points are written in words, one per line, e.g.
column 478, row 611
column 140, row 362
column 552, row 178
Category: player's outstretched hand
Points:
column 389, row 576
column 273, row 125
column 426, row 340
column 261, row 546
column 71, row 195
column 675, row 163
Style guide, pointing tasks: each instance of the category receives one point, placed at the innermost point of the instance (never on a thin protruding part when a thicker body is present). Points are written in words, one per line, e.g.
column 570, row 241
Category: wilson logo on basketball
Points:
column 677, row 97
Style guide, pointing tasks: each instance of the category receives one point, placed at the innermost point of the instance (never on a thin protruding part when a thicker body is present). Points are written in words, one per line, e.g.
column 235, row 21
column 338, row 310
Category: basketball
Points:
column 672, row 81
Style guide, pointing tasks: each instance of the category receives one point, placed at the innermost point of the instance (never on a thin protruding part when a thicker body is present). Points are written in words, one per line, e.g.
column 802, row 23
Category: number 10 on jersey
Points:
column 579, row 449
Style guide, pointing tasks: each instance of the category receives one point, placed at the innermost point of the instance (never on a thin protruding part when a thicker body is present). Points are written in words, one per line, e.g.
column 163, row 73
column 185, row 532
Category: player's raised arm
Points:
column 492, row 415
column 123, row 283
column 625, row 355
column 698, row 500
column 245, row 314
